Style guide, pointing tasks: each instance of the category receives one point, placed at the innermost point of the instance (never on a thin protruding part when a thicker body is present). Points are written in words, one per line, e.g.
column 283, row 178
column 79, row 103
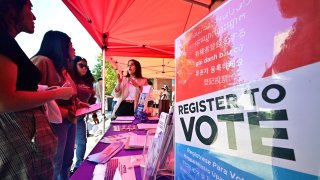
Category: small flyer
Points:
column 90, row 109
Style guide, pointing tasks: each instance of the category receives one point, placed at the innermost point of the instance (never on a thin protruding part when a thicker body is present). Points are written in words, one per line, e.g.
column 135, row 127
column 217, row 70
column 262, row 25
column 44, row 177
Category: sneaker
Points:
column 73, row 171
column 95, row 120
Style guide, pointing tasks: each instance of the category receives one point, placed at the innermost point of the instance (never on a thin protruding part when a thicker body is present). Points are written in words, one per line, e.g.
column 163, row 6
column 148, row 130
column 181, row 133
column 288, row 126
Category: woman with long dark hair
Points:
column 27, row 141
column 53, row 58
column 83, row 78
column 128, row 90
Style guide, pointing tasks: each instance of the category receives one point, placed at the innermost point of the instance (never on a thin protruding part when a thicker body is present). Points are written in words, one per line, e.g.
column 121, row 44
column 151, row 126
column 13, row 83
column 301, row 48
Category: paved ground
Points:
column 95, row 132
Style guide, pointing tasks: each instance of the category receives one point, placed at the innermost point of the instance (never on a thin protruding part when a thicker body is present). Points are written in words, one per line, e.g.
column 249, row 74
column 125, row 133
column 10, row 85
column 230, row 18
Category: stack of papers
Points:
column 147, row 126
column 138, row 141
column 123, row 170
column 107, row 171
column 107, row 153
column 119, row 137
column 128, row 127
column 124, row 119
column 87, row 110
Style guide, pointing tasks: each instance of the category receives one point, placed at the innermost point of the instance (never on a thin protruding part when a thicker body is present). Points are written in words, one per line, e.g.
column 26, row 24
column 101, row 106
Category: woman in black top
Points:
column 83, row 78
column 27, row 141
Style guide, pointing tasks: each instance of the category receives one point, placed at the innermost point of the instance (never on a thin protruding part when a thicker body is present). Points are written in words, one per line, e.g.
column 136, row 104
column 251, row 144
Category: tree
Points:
column 110, row 74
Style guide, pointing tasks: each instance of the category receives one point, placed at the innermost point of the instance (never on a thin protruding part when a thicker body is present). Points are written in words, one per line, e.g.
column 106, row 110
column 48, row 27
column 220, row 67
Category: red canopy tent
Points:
column 138, row 28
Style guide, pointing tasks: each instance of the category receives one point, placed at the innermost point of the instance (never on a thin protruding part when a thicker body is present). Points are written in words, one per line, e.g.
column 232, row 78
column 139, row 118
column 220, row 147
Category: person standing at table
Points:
column 27, row 141
column 83, row 78
column 164, row 95
column 150, row 103
column 164, row 101
column 53, row 58
column 98, row 90
column 128, row 90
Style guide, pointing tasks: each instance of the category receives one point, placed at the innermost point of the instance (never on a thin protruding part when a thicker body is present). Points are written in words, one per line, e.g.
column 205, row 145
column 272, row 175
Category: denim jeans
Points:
column 66, row 133
column 81, row 140
column 113, row 104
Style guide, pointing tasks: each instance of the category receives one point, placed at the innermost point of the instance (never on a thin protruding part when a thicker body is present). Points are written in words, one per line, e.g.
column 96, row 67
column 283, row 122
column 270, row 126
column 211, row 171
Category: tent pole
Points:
column 103, row 105
column 103, row 90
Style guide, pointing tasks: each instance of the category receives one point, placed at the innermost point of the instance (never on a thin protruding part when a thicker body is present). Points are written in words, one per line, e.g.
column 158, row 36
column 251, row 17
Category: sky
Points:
column 54, row 15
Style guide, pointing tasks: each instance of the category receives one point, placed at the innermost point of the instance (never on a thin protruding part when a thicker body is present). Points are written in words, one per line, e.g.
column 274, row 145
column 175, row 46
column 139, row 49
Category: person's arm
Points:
column 81, row 104
column 92, row 99
column 12, row 100
column 117, row 88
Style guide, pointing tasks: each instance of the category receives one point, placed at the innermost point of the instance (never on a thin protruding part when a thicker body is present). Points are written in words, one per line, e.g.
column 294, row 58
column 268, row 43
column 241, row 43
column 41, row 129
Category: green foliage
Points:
column 110, row 74
column 97, row 70
column 110, row 78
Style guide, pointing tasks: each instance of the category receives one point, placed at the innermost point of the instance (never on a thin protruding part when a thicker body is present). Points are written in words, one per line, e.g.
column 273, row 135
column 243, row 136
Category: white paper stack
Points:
column 123, row 170
column 138, row 141
column 147, row 126
column 107, row 153
column 87, row 110
column 115, row 138
column 123, row 119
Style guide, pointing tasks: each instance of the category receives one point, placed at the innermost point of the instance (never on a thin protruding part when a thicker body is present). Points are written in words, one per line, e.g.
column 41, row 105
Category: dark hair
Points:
column 100, row 79
column 87, row 79
column 138, row 72
column 55, row 45
column 165, row 87
column 150, row 82
column 9, row 13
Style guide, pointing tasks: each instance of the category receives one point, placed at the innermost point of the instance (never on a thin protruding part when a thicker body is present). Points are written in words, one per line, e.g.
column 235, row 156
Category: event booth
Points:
column 246, row 73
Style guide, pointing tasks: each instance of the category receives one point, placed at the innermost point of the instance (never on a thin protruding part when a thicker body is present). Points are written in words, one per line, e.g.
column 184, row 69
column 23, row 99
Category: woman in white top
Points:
column 164, row 95
column 128, row 89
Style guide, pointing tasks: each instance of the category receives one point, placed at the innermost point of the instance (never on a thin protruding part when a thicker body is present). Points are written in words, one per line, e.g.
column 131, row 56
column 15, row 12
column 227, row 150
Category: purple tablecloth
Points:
column 85, row 171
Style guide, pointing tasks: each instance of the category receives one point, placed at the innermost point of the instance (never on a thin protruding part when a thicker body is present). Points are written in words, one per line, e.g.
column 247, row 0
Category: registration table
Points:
column 85, row 171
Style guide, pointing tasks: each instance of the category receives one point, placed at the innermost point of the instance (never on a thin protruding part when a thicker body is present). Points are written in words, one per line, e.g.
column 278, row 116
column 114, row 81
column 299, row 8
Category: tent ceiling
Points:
column 138, row 28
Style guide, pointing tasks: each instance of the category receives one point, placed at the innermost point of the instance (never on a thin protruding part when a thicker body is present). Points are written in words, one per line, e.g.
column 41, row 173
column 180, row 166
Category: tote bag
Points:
column 52, row 109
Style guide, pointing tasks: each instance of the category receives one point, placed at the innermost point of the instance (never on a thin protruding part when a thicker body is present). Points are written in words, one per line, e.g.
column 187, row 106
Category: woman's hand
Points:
column 83, row 105
column 64, row 93
column 120, row 77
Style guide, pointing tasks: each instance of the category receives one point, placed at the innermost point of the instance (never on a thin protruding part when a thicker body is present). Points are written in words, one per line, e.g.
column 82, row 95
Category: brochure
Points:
column 126, row 167
column 159, row 152
column 138, row 141
column 124, row 127
column 118, row 137
column 107, row 153
column 118, row 168
column 154, row 151
column 142, row 103
column 125, row 118
column 90, row 109
column 106, row 171
column 147, row 126
column 167, row 148
column 121, row 122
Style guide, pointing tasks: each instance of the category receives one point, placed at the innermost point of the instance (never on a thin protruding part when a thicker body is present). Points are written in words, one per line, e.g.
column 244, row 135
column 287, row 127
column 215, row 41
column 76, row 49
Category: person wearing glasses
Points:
column 27, row 141
column 53, row 59
column 84, row 80
column 128, row 89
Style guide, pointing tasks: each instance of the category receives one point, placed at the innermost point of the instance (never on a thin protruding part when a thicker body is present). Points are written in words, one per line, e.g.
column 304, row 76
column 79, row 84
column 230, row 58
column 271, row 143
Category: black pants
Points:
column 125, row 109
